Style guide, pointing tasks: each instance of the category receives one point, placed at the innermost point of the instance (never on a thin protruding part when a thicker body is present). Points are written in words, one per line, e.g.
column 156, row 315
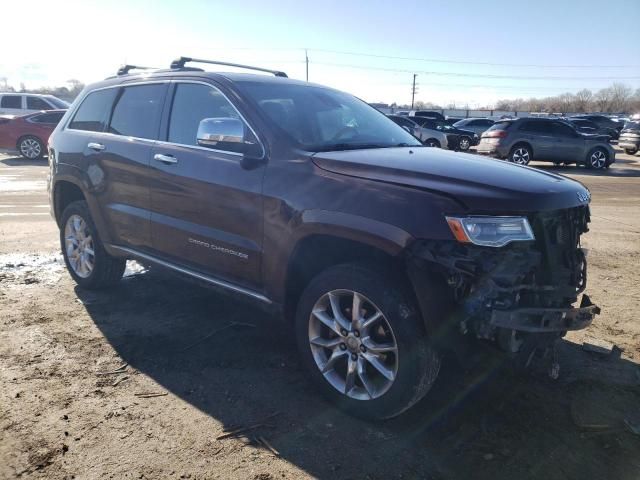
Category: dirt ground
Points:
column 60, row 418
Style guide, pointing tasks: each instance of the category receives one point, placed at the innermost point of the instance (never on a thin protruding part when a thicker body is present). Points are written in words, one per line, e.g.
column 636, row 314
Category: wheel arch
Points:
column 64, row 193
column 328, row 241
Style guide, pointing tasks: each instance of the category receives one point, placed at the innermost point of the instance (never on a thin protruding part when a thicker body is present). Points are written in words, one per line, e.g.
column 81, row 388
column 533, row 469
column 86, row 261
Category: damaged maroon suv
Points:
column 378, row 253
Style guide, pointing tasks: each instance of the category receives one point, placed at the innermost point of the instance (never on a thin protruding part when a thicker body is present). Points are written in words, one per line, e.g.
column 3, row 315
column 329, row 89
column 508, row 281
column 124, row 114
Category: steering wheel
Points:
column 343, row 131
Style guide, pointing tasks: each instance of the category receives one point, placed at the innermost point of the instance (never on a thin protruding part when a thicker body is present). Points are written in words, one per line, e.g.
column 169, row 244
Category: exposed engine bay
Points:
column 522, row 293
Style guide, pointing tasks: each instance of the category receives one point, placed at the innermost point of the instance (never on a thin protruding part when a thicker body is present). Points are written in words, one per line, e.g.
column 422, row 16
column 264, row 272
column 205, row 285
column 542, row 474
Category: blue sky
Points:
column 550, row 46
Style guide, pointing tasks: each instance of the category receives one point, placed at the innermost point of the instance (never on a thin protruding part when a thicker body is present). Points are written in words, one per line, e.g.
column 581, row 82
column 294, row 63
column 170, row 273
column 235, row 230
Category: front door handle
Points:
column 95, row 146
column 168, row 159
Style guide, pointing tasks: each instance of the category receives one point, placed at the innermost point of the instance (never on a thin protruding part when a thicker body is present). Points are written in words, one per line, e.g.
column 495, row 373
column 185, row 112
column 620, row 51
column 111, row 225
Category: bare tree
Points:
column 620, row 96
column 583, row 100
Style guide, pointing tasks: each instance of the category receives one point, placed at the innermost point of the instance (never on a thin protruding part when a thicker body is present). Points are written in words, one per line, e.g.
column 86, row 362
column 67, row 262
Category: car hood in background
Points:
column 482, row 184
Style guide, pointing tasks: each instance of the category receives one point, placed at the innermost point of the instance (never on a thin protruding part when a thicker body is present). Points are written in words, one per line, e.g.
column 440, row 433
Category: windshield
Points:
column 58, row 103
column 319, row 119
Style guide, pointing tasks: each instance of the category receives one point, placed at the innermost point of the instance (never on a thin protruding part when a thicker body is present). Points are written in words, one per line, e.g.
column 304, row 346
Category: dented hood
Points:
column 483, row 185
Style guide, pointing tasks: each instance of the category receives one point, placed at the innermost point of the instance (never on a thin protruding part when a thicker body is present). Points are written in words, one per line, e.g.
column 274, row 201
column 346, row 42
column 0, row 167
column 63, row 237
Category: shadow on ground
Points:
column 24, row 162
column 480, row 423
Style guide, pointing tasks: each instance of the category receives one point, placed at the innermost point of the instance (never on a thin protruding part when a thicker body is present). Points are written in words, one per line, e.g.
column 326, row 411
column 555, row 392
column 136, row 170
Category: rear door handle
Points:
column 168, row 159
column 95, row 146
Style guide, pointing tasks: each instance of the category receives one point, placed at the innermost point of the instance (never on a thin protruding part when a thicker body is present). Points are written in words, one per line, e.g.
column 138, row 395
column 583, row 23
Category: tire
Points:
column 520, row 155
column 597, row 159
column 630, row 151
column 410, row 369
column 78, row 238
column 31, row 147
column 432, row 142
column 464, row 143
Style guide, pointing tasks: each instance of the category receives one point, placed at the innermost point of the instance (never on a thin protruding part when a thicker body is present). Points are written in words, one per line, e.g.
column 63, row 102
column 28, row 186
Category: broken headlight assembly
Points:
column 490, row 231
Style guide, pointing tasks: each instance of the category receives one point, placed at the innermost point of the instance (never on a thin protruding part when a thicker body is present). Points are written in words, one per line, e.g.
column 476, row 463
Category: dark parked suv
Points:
column 544, row 139
column 378, row 253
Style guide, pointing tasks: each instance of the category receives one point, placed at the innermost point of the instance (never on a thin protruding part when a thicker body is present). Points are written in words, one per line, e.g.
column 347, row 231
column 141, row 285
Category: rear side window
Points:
column 193, row 102
column 500, row 126
column 94, row 111
column 11, row 101
column 542, row 128
column 48, row 118
column 137, row 111
column 36, row 103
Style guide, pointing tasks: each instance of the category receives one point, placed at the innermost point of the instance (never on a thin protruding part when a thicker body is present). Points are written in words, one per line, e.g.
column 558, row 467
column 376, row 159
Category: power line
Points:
column 472, row 75
column 461, row 62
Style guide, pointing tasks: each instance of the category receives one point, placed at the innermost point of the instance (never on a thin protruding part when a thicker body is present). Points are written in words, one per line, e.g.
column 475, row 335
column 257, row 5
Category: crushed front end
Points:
column 520, row 295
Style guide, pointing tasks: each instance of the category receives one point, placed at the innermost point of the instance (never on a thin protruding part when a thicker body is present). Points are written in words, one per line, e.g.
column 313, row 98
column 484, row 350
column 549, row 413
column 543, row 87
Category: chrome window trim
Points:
column 119, row 85
column 164, row 142
column 177, row 82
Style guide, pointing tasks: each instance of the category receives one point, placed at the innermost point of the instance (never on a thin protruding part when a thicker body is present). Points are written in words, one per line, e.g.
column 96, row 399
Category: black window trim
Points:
column 164, row 134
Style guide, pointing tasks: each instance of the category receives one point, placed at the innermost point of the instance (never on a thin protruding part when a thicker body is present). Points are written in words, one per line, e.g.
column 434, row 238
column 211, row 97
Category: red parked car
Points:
column 29, row 134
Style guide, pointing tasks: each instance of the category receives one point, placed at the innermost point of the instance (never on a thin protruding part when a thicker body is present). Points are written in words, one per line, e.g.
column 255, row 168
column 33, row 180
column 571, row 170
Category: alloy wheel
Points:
column 464, row 144
column 30, row 148
column 353, row 344
column 598, row 159
column 520, row 156
column 79, row 246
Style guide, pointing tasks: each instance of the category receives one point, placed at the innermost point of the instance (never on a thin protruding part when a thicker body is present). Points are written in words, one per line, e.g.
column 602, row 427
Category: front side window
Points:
column 193, row 102
column 93, row 113
column 11, row 101
column 321, row 119
column 36, row 103
column 137, row 111
column 563, row 130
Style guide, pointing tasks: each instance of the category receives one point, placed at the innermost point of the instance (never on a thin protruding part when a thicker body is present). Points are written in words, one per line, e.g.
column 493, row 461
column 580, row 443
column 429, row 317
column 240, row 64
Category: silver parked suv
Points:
column 523, row 139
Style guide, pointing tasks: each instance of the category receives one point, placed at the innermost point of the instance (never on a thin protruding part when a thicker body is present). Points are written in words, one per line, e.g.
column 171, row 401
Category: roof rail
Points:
column 179, row 63
column 124, row 69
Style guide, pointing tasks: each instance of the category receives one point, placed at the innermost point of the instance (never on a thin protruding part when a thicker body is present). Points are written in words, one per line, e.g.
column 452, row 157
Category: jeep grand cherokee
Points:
column 310, row 202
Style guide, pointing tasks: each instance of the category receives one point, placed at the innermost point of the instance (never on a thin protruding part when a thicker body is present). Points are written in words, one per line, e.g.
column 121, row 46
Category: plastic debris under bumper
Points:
column 545, row 320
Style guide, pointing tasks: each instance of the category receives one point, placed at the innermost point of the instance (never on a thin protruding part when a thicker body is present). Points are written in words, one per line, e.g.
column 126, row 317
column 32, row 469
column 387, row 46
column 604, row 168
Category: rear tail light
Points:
column 494, row 134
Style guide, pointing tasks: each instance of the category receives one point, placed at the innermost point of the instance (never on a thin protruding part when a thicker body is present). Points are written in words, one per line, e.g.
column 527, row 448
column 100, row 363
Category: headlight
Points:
column 490, row 231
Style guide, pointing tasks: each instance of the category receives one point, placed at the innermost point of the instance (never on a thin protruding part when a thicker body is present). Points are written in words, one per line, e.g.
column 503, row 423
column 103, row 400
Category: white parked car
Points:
column 428, row 136
column 24, row 103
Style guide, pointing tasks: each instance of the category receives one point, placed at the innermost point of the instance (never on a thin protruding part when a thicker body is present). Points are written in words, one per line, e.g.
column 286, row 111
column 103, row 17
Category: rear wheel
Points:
column 363, row 342
column 432, row 142
column 464, row 143
column 598, row 159
column 87, row 261
column 520, row 154
column 31, row 147
column 630, row 151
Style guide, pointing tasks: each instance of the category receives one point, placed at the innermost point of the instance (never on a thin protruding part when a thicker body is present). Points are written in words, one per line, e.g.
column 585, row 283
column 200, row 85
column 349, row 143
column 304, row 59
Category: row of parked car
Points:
column 579, row 139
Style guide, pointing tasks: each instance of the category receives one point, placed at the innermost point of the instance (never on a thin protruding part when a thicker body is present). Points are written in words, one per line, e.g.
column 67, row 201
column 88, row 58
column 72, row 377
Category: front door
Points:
column 206, row 203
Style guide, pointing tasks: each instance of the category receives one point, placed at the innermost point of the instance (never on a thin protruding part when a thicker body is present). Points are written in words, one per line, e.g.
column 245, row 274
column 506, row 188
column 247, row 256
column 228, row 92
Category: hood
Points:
column 482, row 185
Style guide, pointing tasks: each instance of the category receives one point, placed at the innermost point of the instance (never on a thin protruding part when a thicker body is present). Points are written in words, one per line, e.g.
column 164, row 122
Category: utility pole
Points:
column 306, row 59
column 413, row 90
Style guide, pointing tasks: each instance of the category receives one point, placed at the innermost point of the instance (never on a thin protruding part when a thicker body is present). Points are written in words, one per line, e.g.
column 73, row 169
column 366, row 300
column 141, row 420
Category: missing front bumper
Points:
column 546, row 320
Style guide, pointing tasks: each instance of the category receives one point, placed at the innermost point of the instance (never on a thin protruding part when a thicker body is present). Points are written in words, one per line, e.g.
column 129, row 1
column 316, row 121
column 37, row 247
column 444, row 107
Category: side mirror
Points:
column 220, row 132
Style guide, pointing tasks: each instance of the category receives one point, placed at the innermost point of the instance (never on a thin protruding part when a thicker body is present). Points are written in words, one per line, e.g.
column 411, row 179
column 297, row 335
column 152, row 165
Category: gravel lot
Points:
column 59, row 418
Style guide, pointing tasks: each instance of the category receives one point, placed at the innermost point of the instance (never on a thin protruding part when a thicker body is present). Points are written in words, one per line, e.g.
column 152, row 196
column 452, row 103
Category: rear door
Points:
column 12, row 105
column 541, row 137
column 123, row 153
column 207, row 203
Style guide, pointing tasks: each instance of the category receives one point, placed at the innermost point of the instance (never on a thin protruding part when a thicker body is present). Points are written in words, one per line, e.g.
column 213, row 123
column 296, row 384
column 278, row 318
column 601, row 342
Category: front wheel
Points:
column 520, row 154
column 464, row 144
column 432, row 142
column 87, row 261
column 630, row 151
column 598, row 159
column 31, row 147
column 362, row 339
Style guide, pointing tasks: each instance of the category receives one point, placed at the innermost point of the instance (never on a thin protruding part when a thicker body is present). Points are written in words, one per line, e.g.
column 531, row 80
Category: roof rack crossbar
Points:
column 124, row 69
column 180, row 62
